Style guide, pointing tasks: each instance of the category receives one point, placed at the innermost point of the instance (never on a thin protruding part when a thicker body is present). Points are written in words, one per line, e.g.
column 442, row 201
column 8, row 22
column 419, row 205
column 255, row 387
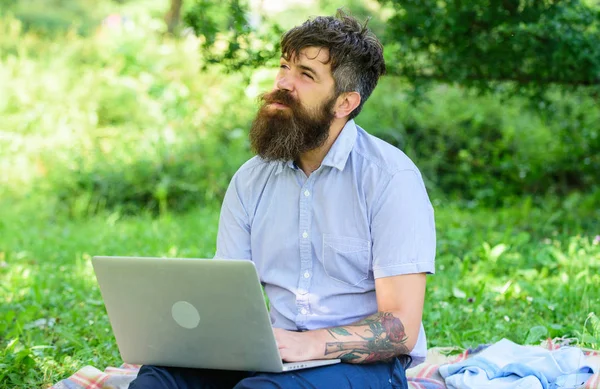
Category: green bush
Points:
column 52, row 17
column 488, row 150
column 123, row 122
column 160, row 179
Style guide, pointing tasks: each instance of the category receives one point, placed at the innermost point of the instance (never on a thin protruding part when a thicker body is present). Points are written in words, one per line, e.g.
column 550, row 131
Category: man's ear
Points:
column 346, row 103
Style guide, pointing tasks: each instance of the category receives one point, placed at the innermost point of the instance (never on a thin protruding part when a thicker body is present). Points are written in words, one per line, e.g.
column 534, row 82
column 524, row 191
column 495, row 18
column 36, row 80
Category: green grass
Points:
column 46, row 277
column 500, row 273
column 506, row 273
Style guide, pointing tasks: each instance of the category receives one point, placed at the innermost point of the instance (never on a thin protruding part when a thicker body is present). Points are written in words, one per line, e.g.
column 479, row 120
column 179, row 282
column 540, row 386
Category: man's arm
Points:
column 392, row 331
column 382, row 336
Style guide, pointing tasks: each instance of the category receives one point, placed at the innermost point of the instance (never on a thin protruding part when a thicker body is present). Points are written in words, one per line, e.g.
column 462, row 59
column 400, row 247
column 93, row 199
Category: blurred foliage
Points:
column 488, row 150
column 529, row 44
column 129, row 119
column 228, row 38
column 120, row 120
column 56, row 16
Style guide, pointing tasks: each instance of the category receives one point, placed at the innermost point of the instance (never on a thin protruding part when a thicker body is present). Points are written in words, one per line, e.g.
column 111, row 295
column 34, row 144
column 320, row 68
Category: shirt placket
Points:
column 306, row 263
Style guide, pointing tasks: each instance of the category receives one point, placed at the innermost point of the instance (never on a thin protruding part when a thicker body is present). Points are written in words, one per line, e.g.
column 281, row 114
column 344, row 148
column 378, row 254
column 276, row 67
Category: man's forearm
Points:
column 379, row 337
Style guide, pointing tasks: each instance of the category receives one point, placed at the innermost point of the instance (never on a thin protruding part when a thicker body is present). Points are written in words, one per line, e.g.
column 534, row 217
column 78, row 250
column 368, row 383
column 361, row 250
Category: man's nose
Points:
column 284, row 83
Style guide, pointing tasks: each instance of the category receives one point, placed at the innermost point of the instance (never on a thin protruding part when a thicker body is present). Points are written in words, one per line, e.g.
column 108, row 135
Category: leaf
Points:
column 587, row 338
column 497, row 251
column 594, row 320
column 535, row 334
column 376, row 328
column 10, row 347
column 340, row 331
column 459, row 294
column 349, row 357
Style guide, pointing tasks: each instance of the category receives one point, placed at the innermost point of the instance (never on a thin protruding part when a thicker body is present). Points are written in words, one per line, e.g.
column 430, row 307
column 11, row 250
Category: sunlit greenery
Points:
column 116, row 141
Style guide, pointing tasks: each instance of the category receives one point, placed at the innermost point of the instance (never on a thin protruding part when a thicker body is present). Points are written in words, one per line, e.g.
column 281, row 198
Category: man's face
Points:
column 296, row 115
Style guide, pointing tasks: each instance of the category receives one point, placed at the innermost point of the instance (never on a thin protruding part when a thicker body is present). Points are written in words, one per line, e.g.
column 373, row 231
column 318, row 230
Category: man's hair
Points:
column 355, row 53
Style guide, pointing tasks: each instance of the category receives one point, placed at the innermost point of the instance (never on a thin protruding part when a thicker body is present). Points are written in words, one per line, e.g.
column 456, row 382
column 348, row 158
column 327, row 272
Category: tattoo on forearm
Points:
column 338, row 330
column 385, row 340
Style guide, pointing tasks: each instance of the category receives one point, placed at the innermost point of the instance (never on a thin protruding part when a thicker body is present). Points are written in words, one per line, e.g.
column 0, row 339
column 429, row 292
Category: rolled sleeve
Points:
column 403, row 228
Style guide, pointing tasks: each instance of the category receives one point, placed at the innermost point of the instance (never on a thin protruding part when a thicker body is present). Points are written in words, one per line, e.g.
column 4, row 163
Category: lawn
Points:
column 521, row 273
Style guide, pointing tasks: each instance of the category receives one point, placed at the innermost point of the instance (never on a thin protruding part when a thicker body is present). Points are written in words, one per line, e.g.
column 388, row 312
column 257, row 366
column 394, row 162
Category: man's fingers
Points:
column 284, row 354
column 279, row 337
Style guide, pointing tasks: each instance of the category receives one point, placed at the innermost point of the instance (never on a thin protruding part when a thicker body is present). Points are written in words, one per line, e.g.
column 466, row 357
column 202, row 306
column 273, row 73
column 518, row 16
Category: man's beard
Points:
column 284, row 134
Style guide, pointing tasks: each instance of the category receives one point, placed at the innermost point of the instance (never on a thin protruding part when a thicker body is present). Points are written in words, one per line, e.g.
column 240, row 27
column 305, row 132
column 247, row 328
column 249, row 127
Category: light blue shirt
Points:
column 320, row 242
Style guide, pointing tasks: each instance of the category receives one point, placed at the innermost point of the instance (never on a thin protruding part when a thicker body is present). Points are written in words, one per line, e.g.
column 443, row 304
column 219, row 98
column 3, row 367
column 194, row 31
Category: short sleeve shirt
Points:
column 319, row 242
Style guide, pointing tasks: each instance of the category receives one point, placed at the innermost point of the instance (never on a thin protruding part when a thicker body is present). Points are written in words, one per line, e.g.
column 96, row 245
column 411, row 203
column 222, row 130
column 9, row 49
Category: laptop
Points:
column 197, row 313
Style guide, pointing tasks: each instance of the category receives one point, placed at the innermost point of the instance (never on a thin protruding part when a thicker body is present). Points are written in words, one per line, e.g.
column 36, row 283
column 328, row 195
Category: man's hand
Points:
column 298, row 346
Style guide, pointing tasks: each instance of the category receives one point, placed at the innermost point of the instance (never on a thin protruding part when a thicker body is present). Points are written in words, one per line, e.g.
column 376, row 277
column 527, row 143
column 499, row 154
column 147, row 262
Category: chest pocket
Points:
column 346, row 259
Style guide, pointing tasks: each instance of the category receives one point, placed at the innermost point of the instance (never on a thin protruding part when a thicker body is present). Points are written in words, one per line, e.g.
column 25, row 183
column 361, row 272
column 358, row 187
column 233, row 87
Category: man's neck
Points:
column 311, row 160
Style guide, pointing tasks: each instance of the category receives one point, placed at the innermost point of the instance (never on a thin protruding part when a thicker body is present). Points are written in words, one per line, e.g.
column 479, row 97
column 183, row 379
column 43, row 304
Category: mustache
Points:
column 279, row 96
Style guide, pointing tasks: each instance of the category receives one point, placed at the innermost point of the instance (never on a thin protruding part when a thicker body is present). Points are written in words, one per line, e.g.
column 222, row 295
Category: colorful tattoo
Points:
column 338, row 330
column 385, row 340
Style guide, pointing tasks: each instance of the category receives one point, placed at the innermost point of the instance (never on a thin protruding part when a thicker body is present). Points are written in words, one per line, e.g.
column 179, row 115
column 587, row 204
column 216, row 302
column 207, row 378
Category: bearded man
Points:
column 337, row 222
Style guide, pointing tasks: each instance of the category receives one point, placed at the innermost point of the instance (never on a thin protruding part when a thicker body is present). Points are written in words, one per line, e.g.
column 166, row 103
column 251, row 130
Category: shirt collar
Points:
column 341, row 148
column 282, row 165
column 338, row 153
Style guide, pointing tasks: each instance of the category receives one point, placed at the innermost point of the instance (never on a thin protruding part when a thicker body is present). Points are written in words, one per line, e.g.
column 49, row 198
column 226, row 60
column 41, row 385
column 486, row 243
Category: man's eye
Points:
column 308, row 75
column 283, row 66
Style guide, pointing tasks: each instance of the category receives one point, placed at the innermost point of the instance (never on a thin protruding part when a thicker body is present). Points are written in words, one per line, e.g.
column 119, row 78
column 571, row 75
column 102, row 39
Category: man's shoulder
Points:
column 380, row 153
column 256, row 166
column 252, row 163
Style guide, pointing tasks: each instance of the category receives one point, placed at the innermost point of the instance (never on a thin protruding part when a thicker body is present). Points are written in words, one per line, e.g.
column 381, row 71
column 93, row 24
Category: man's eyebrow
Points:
column 303, row 67
column 308, row 69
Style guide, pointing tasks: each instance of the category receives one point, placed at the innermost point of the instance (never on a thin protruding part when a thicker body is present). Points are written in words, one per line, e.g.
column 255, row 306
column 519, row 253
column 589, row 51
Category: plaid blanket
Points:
column 423, row 376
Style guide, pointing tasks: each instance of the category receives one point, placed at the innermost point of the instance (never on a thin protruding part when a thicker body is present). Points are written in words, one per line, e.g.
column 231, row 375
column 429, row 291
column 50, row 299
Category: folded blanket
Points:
column 424, row 376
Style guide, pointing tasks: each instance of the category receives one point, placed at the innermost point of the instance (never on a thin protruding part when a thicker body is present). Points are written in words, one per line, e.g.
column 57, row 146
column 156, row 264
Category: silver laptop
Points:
column 199, row 313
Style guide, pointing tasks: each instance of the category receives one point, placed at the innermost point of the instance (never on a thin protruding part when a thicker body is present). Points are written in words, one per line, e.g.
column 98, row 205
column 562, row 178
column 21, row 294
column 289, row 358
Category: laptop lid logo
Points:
column 185, row 314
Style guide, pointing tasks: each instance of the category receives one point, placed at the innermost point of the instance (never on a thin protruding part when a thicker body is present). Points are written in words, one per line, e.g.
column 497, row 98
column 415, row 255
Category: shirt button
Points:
column 306, row 193
column 306, row 274
column 303, row 311
column 305, row 234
